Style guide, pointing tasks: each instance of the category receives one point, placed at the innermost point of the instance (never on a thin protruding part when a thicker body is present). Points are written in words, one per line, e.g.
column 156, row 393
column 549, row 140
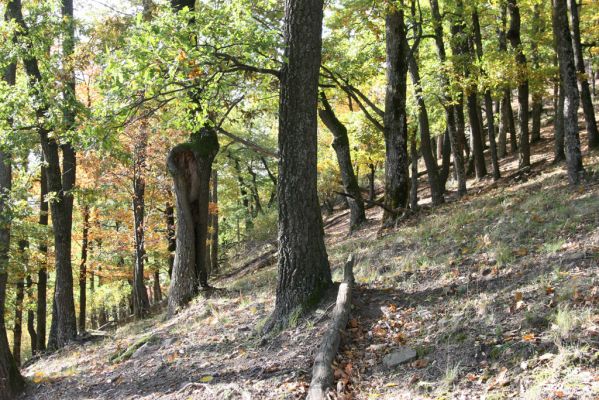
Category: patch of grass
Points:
column 452, row 373
column 504, row 254
column 553, row 247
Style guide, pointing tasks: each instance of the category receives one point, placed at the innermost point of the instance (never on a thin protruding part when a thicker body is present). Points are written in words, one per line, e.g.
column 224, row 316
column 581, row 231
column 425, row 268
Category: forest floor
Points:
column 496, row 293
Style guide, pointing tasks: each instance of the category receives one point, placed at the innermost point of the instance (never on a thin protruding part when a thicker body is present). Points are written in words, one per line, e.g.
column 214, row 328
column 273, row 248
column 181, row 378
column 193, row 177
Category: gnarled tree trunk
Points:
column 190, row 165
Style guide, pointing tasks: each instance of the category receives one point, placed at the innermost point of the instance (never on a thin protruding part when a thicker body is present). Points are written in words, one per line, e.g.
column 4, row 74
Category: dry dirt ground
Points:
column 497, row 293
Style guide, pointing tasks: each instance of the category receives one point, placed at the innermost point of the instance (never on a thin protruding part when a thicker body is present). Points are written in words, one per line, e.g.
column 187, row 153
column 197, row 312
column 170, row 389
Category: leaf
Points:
column 521, row 251
column 421, row 363
column 518, row 296
column 206, row 378
column 528, row 337
column 549, row 290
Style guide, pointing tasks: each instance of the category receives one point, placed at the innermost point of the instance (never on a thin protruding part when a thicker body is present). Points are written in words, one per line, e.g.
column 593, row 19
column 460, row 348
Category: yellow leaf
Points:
column 206, row 378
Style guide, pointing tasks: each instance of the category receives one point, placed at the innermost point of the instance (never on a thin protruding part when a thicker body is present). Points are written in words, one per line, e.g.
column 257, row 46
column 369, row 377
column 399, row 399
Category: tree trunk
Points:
column 537, row 95
column 558, row 126
column 169, row 215
column 568, row 84
column 414, row 176
column 488, row 101
column 83, row 270
column 341, row 146
column 303, row 266
column 190, row 165
column 42, row 274
column 585, row 91
column 214, row 224
column 425, row 136
column 450, row 109
column 156, row 288
column 141, row 303
column 397, row 181
column 18, row 322
column 513, row 36
column 537, row 110
column 11, row 382
column 371, row 175
column 31, row 316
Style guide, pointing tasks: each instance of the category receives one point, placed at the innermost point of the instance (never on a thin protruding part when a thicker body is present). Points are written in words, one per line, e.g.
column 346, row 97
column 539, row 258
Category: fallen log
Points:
column 322, row 370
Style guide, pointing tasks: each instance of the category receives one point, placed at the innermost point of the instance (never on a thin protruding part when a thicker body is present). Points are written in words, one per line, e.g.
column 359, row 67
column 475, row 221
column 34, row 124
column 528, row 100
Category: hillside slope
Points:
column 497, row 294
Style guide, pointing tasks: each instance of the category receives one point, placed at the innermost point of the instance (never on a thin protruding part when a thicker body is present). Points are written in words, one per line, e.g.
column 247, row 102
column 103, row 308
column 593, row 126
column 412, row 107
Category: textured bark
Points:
column 585, row 91
column 83, row 269
column 425, row 136
column 397, row 181
column 513, row 36
column 42, row 274
column 537, row 95
column 414, row 175
column 11, row 382
column 450, row 109
column 537, row 110
column 190, row 165
column 214, row 223
column 303, row 266
column 60, row 183
column 141, row 303
column 488, row 101
column 156, row 288
column 341, row 147
column 559, row 153
column 570, row 88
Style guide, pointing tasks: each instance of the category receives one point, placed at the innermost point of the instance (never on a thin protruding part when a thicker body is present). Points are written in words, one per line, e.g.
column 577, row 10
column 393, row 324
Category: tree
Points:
column 397, row 182
column 341, row 146
column 570, row 88
column 83, row 269
column 513, row 35
column 585, row 91
column 303, row 267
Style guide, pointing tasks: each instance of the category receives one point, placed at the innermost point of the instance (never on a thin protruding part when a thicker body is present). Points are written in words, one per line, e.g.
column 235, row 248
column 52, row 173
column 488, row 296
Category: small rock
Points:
column 399, row 356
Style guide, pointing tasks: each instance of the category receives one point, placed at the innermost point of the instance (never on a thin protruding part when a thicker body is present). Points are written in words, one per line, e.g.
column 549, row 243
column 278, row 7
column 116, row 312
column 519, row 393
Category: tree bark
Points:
column 450, row 109
column 371, row 175
column 141, row 303
column 214, row 223
column 18, row 322
column 83, row 270
column 537, row 95
column 303, row 266
column 190, row 165
column 169, row 216
column 488, row 101
column 42, row 274
column 568, row 84
column 414, row 175
column 513, row 36
column 559, row 153
column 11, row 381
column 585, row 91
column 341, row 147
column 31, row 316
column 425, row 136
column 397, row 181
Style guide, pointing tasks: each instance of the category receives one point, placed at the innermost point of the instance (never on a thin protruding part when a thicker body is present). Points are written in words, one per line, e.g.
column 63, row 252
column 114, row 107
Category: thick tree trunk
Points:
column 214, row 224
column 513, row 36
column 83, row 270
column 585, row 91
column 569, row 85
column 397, row 181
column 141, row 303
column 425, row 136
column 42, row 274
column 11, row 382
column 190, row 165
column 303, row 266
column 341, row 146
column 450, row 110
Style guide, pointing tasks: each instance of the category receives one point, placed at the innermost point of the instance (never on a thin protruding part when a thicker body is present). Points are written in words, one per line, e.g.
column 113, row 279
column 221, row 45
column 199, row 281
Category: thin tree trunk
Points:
column 42, row 274
column 141, row 303
column 371, row 175
column 414, row 176
column 450, row 109
column 31, row 315
column 157, row 290
column 537, row 95
column 568, row 84
column 214, row 215
column 83, row 270
column 341, row 146
column 303, row 267
column 425, row 136
column 18, row 322
column 558, row 126
column 513, row 36
column 169, row 215
column 585, row 92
